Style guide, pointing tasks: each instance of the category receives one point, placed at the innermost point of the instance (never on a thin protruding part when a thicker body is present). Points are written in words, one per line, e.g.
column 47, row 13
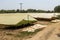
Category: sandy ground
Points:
column 54, row 35
column 48, row 33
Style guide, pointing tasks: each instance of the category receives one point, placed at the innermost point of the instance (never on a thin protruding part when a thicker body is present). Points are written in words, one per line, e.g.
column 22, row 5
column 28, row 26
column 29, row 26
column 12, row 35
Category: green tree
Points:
column 2, row 11
column 31, row 10
column 10, row 11
column 23, row 11
column 17, row 10
column 57, row 9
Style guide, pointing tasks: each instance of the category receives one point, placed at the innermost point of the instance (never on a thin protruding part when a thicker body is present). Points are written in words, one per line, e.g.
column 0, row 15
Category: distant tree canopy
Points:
column 25, row 11
column 57, row 9
column 31, row 10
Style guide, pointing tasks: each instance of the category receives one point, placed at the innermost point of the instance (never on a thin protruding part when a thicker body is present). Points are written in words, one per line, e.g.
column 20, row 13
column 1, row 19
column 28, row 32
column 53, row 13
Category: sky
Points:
column 29, row 4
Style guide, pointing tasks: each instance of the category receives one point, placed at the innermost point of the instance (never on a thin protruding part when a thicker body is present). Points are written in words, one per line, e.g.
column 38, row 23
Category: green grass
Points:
column 21, row 24
column 25, row 22
column 26, row 33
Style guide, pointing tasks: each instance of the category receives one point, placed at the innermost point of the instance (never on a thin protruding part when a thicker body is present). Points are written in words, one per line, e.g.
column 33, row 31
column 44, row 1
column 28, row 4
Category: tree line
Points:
column 56, row 9
column 25, row 11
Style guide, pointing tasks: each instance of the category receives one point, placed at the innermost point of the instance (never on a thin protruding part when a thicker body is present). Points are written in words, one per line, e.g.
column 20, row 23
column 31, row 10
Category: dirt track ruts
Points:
column 46, row 33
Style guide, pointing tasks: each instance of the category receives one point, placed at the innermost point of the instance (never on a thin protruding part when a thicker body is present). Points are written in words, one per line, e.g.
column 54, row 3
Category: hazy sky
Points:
column 34, row 4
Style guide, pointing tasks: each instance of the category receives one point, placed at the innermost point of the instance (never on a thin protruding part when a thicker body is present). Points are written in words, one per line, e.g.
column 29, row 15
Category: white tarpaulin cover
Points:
column 13, row 18
column 43, row 15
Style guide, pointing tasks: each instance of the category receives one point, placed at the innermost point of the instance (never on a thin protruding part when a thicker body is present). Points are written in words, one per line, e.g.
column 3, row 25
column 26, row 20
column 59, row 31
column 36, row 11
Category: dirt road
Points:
column 49, row 33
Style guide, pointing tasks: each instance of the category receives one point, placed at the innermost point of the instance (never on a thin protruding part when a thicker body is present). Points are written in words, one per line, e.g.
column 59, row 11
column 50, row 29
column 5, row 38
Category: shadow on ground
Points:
column 14, row 27
column 58, row 35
